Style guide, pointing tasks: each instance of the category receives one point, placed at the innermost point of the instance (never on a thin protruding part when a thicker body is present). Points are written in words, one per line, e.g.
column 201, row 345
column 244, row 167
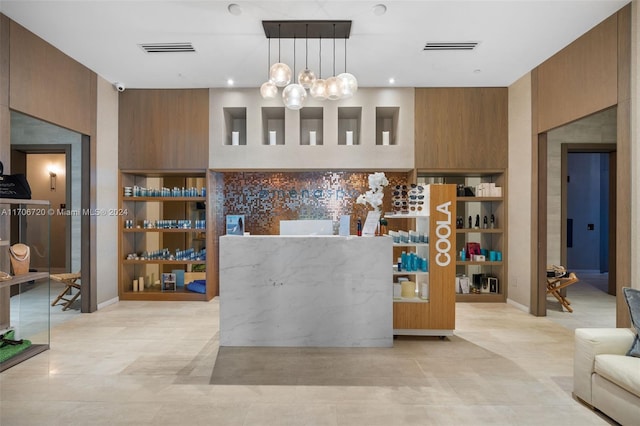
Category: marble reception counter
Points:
column 314, row 291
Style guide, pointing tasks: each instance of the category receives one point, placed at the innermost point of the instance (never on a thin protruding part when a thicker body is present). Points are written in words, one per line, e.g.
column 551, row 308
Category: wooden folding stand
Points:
column 70, row 281
column 555, row 284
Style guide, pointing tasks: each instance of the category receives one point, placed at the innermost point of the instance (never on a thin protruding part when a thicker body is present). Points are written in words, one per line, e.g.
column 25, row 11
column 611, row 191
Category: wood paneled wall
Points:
column 580, row 79
column 164, row 129
column 591, row 74
column 461, row 128
column 47, row 84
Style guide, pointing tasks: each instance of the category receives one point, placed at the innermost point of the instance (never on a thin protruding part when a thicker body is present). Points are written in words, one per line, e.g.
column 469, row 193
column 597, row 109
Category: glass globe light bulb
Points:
column 349, row 84
column 318, row 89
column 306, row 77
column 294, row 96
column 333, row 88
column 268, row 90
column 280, row 74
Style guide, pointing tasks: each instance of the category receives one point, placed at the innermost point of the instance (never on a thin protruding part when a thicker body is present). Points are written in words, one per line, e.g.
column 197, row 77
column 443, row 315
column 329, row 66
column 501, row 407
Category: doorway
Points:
column 595, row 134
column 588, row 211
column 34, row 146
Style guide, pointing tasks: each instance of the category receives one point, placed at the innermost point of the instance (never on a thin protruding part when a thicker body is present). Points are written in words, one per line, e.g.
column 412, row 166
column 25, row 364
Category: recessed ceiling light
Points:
column 477, row 71
column 379, row 9
column 234, row 9
column 392, row 80
column 230, row 82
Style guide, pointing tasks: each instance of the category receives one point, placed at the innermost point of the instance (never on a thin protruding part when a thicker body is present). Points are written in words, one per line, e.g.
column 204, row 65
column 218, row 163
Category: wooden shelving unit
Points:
column 139, row 240
column 489, row 238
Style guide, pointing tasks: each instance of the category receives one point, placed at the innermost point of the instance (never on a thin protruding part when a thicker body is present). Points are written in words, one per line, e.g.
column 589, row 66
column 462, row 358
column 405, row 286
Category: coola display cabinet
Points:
column 424, row 264
column 25, row 300
column 164, row 237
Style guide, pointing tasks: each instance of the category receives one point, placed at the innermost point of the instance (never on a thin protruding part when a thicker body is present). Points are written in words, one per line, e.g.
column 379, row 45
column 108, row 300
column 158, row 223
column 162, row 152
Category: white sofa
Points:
column 603, row 376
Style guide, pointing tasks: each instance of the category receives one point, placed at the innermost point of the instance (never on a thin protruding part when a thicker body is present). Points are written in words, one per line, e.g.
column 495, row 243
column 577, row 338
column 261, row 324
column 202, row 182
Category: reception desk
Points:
column 303, row 291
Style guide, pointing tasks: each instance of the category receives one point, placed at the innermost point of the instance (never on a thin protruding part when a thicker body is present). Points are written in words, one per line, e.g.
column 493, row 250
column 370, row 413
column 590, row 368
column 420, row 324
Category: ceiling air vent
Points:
column 167, row 47
column 455, row 45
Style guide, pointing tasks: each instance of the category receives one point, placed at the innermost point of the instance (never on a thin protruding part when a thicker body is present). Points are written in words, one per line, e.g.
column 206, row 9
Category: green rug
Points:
column 8, row 351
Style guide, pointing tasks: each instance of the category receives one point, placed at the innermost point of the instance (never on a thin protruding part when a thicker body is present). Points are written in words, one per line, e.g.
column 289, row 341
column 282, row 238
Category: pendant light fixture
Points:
column 319, row 87
column 269, row 90
column 306, row 76
column 348, row 82
column 294, row 94
column 333, row 84
column 280, row 74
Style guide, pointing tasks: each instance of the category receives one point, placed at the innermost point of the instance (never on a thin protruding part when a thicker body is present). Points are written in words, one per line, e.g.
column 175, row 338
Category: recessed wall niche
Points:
column 311, row 124
column 387, row 125
column 235, row 123
column 349, row 119
column 273, row 125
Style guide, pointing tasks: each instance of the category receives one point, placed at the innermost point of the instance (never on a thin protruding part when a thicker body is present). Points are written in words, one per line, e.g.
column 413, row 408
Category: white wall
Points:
column 519, row 188
column 107, row 193
column 330, row 155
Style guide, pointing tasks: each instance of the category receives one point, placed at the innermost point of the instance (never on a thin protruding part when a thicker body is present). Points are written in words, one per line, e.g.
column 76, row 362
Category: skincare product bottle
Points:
column 359, row 227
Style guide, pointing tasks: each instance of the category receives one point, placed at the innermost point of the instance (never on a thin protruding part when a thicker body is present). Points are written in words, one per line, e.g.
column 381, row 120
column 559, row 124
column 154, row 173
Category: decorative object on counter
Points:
column 5, row 276
column 375, row 194
column 20, row 256
column 235, row 224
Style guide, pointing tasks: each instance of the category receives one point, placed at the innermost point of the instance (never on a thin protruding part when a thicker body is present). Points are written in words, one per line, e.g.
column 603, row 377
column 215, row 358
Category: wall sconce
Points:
column 52, row 177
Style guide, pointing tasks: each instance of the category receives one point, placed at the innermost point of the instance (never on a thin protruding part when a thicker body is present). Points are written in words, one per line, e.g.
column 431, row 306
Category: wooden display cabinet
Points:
column 140, row 246
column 435, row 314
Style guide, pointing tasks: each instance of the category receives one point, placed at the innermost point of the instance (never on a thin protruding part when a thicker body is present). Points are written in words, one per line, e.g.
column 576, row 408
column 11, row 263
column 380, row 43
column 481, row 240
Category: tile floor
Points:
column 152, row 363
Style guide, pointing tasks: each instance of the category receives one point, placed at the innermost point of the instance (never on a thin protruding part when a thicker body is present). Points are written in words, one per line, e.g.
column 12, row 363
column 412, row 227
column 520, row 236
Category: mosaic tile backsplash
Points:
column 266, row 198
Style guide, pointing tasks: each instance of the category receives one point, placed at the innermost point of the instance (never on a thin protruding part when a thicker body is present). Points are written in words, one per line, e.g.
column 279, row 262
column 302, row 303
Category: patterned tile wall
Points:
column 266, row 198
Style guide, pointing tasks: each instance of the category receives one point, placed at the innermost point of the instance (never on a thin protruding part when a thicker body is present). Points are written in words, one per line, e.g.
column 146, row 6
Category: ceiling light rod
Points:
column 308, row 29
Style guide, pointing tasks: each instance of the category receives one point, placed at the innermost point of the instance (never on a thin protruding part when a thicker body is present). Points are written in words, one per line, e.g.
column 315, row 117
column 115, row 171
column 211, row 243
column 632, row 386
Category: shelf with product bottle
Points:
column 424, row 246
column 163, row 236
column 482, row 221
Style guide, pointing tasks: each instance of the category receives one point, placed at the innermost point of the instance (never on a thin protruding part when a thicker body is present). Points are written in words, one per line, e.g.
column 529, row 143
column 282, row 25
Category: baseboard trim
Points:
column 108, row 302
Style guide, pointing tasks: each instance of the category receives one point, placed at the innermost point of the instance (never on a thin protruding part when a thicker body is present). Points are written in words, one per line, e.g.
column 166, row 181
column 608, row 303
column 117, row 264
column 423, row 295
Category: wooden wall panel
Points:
column 442, row 266
column 580, row 79
column 461, row 128
column 47, row 84
column 164, row 129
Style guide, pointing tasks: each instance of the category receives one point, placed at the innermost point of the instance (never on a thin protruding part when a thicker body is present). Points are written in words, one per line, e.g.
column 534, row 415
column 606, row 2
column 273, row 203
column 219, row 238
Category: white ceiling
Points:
column 514, row 37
